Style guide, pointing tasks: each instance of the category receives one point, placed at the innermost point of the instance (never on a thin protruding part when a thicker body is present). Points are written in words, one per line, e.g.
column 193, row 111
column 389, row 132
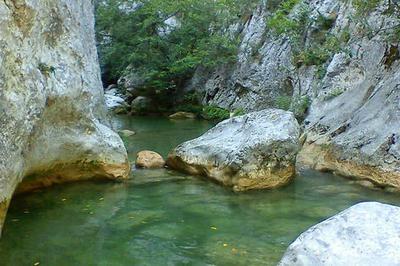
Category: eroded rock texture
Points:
column 353, row 125
column 51, row 99
column 365, row 234
column 255, row 151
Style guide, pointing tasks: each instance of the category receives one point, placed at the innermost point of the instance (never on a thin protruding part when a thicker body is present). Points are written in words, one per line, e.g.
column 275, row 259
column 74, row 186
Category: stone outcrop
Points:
column 352, row 127
column 149, row 160
column 255, row 151
column 51, row 99
column 365, row 234
column 259, row 76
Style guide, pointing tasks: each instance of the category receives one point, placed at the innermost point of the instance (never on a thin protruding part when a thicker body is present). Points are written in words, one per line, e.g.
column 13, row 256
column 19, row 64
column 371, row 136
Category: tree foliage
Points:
column 139, row 35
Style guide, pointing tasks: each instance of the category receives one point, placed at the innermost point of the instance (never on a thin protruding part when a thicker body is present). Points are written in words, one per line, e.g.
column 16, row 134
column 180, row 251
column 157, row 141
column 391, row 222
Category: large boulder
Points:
column 365, row 234
column 254, row 151
column 52, row 111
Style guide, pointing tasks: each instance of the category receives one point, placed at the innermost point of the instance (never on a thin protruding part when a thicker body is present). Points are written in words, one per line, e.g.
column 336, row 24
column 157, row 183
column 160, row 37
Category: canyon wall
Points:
column 52, row 116
column 352, row 124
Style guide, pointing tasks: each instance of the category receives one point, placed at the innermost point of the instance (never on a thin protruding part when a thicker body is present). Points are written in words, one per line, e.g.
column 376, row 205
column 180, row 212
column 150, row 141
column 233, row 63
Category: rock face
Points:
column 365, row 234
column 51, row 99
column 149, row 160
column 352, row 126
column 254, row 151
column 257, row 79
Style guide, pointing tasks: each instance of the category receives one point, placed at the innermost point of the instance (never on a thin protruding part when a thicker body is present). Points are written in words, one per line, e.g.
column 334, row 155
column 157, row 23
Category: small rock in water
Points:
column 367, row 183
column 127, row 133
column 150, row 160
column 183, row 115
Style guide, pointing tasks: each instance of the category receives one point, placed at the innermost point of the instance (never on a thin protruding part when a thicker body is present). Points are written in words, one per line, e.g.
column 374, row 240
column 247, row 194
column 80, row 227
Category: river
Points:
column 161, row 217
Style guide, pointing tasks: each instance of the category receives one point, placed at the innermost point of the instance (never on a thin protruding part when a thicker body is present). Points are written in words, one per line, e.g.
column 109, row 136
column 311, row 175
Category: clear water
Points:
column 165, row 218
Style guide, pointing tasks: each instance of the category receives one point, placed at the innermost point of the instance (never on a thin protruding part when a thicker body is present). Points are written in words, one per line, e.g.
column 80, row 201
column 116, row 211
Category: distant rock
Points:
column 127, row 133
column 112, row 86
column 183, row 115
column 254, row 151
column 140, row 104
column 114, row 101
column 149, row 160
column 131, row 80
column 366, row 234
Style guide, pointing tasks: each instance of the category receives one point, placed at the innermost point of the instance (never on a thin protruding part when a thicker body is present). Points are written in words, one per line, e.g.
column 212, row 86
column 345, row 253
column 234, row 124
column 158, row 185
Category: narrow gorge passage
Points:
column 199, row 132
column 161, row 216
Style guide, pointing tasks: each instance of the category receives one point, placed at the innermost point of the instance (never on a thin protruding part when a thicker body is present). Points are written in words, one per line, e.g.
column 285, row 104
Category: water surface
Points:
column 161, row 217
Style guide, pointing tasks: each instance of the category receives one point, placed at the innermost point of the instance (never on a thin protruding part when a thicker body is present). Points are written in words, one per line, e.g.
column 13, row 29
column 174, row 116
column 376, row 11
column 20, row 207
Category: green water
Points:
column 164, row 218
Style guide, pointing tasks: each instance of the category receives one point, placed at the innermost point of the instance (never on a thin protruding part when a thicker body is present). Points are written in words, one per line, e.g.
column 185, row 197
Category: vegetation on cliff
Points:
column 165, row 41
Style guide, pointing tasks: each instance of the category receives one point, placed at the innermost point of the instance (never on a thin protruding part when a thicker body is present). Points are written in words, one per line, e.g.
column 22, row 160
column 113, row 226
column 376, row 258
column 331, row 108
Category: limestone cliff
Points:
column 347, row 67
column 51, row 99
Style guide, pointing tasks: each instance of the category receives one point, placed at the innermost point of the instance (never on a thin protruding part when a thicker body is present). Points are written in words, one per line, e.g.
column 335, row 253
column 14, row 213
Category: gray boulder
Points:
column 365, row 234
column 140, row 104
column 254, row 151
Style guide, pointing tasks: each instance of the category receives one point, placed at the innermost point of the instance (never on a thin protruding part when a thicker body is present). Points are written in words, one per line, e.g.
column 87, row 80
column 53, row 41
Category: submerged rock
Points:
column 254, row 151
column 183, row 115
column 150, row 160
column 365, row 234
column 51, row 99
column 127, row 133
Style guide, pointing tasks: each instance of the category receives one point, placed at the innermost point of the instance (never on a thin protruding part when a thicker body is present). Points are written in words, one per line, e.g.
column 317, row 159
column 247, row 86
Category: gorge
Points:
column 312, row 89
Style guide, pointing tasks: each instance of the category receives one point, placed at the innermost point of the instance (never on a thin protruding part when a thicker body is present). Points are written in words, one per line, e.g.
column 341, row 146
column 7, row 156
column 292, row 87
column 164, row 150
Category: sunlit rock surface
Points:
column 149, row 160
column 365, row 234
column 51, row 99
column 352, row 127
column 255, row 151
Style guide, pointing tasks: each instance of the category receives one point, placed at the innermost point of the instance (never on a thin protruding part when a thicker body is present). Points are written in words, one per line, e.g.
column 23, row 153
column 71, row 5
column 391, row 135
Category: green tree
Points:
column 136, row 34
